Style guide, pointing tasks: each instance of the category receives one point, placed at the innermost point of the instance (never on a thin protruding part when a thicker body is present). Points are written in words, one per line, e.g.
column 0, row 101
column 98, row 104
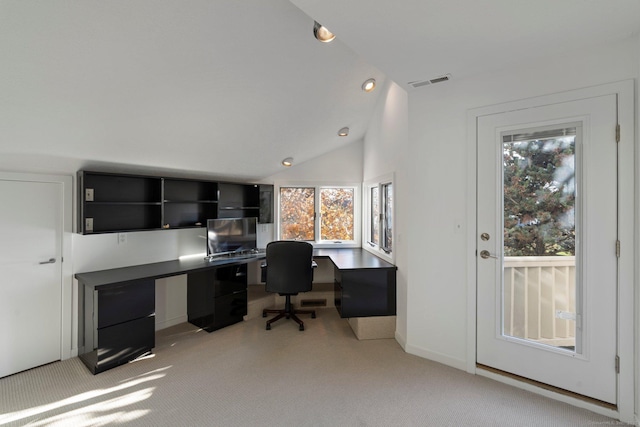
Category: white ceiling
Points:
column 230, row 88
column 221, row 87
column 416, row 40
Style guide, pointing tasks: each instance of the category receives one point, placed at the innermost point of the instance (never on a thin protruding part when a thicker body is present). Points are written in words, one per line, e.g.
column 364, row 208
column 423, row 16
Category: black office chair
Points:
column 289, row 270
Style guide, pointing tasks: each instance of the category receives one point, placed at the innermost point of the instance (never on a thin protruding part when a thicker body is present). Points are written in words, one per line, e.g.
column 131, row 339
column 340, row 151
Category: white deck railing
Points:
column 538, row 293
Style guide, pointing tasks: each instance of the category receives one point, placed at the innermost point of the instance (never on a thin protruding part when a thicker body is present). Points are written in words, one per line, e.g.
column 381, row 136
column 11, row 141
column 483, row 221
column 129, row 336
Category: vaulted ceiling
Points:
column 222, row 87
column 230, row 87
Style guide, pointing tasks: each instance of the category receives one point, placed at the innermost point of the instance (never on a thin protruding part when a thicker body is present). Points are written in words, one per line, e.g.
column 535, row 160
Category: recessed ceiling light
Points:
column 287, row 162
column 369, row 85
column 343, row 132
column 321, row 33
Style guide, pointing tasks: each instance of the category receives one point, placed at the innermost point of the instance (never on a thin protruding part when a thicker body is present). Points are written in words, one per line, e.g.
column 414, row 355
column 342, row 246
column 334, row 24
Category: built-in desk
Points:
column 364, row 285
column 117, row 306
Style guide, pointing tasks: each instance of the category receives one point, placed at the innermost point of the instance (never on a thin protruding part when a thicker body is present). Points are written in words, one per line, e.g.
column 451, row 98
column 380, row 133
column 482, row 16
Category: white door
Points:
column 30, row 274
column 546, row 244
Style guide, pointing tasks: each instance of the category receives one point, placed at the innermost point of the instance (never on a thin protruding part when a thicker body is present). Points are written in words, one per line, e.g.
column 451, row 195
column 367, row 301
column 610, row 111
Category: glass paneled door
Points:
column 539, row 182
column 547, row 229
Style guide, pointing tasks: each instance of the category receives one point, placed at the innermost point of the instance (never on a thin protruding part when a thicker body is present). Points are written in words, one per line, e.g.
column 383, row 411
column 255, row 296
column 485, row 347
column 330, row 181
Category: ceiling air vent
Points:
column 420, row 83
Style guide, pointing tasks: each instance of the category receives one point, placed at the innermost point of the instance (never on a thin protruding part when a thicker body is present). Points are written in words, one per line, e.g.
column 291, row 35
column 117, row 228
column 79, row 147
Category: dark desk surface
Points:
column 353, row 259
column 343, row 259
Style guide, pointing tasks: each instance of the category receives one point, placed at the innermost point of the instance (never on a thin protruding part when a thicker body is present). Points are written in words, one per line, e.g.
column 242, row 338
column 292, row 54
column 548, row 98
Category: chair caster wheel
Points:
column 313, row 315
column 301, row 328
column 268, row 327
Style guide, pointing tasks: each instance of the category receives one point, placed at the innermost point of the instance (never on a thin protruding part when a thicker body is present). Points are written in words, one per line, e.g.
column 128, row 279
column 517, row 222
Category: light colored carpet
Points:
column 244, row 375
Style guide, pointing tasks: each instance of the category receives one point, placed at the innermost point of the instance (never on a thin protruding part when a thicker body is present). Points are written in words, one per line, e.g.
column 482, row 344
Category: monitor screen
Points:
column 226, row 235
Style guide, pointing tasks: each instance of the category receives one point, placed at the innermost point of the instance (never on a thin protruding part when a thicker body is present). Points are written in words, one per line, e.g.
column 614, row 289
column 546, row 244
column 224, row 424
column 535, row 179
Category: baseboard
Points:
column 167, row 323
column 402, row 340
column 437, row 357
column 580, row 403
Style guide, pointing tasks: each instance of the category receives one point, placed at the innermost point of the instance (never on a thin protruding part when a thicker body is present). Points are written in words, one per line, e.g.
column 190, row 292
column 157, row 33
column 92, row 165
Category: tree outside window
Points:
column 298, row 207
column 374, row 218
column 297, row 213
column 336, row 210
column 539, row 197
column 387, row 225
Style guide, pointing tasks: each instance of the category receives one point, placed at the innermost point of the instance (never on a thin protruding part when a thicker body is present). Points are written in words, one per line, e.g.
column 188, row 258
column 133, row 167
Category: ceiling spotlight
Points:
column 343, row 132
column 369, row 85
column 321, row 33
column 287, row 162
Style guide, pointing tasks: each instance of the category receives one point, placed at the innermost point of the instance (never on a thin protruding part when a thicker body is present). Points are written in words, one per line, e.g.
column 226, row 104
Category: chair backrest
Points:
column 289, row 269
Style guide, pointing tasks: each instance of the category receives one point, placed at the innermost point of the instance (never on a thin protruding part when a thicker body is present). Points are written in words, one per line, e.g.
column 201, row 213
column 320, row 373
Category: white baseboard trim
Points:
column 167, row 323
column 402, row 340
column 549, row 393
column 437, row 357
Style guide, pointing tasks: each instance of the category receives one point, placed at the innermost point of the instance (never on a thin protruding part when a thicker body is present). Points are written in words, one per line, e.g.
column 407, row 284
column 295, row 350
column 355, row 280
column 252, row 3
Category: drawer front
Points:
column 230, row 309
column 124, row 342
column 230, row 280
column 129, row 301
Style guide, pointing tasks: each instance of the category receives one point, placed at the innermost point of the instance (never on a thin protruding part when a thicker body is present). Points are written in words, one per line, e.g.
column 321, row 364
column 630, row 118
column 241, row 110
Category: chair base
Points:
column 289, row 312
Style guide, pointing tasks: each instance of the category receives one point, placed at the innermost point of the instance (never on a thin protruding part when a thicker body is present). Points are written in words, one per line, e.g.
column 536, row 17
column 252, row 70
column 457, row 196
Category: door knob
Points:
column 486, row 254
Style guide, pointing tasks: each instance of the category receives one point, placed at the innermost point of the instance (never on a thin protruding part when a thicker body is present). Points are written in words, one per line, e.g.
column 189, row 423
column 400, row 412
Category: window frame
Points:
column 318, row 186
column 378, row 248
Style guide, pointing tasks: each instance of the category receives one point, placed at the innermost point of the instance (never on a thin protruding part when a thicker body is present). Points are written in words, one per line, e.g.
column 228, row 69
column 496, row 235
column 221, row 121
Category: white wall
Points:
column 385, row 152
column 637, row 239
column 437, row 248
column 340, row 165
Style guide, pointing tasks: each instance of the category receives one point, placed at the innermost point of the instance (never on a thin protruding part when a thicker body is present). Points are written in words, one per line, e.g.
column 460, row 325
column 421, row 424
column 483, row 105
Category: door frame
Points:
column 69, row 298
column 626, row 270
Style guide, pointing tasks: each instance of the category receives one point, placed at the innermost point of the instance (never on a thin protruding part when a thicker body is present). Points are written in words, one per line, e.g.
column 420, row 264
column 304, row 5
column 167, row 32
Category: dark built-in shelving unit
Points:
column 188, row 203
column 111, row 202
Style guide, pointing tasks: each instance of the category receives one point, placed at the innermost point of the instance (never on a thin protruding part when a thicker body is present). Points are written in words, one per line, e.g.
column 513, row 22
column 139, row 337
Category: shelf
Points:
column 183, row 190
column 126, row 203
column 110, row 202
column 190, row 201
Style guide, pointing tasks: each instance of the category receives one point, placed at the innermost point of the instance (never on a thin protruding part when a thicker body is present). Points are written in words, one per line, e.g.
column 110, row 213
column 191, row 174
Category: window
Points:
column 387, row 217
column 374, row 231
column 379, row 216
column 322, row 214
column 297, row 213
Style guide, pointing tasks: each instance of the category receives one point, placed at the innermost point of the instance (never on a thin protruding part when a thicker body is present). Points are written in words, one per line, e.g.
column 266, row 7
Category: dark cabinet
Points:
column 365, row 292
column 111, row 202
column 120, row 203
column 238, row 200
column 189, row 203
column 266, row 204
column 218, row 297
column 118, row 323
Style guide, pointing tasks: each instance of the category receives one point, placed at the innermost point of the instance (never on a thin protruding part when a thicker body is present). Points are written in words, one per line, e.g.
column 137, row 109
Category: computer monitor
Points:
column 229, row 235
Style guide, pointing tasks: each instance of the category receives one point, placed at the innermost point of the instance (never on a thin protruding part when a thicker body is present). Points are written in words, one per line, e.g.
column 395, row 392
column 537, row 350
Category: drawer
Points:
column 124, row 342
column 125, row 302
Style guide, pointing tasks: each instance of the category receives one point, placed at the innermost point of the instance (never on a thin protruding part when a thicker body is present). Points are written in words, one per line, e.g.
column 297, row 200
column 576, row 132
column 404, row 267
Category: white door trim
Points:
column 69, row 298
column 625, row 92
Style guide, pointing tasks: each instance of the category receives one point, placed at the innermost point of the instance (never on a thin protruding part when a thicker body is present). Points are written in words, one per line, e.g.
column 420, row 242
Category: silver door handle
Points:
column 51, row 261
column 486, row 254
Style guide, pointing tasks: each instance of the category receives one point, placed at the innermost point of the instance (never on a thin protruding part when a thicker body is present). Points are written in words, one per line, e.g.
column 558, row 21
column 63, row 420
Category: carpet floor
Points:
column 243, row 375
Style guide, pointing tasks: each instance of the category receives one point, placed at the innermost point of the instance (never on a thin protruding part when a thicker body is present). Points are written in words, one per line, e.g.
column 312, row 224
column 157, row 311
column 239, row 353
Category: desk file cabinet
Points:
column 119, row 323
column 218, row 297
